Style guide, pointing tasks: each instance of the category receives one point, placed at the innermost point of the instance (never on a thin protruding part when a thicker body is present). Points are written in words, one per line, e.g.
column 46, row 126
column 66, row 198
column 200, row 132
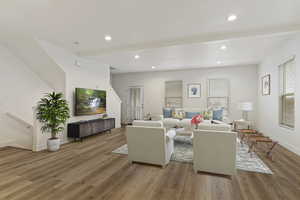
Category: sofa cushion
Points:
column 167, row 112
column 218, row 115
column 170, row 122
column 190, row 115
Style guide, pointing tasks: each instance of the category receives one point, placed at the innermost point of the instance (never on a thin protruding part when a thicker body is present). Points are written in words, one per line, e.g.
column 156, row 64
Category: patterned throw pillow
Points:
column 207, row 115
column 178, row 114
column 218, row 115
column 167, row 112
column 190, row 115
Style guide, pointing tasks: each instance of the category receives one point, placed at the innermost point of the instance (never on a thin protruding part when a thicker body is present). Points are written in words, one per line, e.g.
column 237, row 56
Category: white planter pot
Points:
column 53, row 144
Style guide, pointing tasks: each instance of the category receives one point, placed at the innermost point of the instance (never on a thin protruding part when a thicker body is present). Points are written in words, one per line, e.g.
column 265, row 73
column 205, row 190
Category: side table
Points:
column 241, row 124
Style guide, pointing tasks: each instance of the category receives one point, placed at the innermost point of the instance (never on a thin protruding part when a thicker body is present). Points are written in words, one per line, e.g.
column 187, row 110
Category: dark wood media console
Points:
column 81, row 129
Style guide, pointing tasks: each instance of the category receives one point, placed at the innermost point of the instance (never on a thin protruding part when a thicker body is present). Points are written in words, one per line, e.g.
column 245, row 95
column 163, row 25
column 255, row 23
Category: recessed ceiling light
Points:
column 223, row 47
column 219, row 62
column 107, row 38
column 136, row 56
column 153, row 67
column 231, row 18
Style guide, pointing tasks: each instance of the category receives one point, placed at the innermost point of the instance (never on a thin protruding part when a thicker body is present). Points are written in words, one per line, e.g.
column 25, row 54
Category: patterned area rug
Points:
column 183, row 152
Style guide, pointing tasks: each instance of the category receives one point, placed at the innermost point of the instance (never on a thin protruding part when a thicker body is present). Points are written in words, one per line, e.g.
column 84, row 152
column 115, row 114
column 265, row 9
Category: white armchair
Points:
column 215, row 127
column 214, row 151
column 149, row 143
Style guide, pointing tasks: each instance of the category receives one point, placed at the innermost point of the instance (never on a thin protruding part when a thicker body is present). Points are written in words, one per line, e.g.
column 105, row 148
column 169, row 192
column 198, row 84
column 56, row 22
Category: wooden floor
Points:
column 89, row 170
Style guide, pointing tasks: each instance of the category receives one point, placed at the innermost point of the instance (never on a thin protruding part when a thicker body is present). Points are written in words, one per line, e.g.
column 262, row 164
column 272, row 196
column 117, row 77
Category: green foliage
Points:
column 53, row 112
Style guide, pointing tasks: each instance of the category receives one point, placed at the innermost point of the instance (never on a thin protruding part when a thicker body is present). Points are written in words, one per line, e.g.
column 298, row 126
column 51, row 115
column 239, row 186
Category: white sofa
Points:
column 214, row 150
column 149, row 142
column 188, row 127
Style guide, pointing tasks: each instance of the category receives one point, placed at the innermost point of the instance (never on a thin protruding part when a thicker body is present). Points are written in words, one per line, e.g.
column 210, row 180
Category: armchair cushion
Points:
column 147, row 123
column 216, row 127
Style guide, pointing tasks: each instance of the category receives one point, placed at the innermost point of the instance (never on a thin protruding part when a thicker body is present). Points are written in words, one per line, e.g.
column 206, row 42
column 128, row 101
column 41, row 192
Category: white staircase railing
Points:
column 115, row 106
column 20, row 138
column 18, row 119
column 116, row 96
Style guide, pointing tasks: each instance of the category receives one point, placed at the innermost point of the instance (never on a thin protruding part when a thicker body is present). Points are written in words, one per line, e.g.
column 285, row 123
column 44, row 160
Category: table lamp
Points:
column 245, row 107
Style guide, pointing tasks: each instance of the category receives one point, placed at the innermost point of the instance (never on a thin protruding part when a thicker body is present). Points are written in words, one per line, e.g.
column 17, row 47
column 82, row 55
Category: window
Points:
column 287, row 93
column 218, row 88
column 219, row 96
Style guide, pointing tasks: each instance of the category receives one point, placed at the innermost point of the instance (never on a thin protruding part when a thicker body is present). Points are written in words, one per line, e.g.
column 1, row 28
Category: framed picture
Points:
column 194, row 90
column 266, row 85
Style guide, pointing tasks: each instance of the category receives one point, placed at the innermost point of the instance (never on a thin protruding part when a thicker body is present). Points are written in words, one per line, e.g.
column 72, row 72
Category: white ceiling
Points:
column 167, row 33
column 239, row 52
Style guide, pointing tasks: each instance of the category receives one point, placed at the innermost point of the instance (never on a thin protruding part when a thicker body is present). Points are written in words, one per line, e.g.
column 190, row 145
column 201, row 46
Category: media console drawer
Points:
column 83, row 129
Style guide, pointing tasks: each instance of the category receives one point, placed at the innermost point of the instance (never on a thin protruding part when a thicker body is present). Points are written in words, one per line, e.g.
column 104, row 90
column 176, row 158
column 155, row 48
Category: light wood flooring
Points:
column 88, row 170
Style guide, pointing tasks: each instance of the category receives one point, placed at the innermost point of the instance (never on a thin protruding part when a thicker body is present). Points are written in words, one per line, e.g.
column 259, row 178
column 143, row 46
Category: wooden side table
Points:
column 244, row 134
column 241, row 123
column 255, row 140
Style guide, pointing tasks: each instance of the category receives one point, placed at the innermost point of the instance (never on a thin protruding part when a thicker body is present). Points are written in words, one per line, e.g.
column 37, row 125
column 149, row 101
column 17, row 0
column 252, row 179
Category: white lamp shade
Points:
column 246, row 106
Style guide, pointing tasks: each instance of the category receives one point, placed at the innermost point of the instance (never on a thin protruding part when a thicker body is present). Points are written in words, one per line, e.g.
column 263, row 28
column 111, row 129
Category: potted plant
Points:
column 53, row 112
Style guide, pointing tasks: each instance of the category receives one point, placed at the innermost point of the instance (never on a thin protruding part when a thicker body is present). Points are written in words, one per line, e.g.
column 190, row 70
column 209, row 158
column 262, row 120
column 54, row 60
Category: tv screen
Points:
column 89, row 101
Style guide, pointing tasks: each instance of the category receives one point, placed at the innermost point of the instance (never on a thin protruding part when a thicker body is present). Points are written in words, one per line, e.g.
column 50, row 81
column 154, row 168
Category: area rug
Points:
column 183, row 152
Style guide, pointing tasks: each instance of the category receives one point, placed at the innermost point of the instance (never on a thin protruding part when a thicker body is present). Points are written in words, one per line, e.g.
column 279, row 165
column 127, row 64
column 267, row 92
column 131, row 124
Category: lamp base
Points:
column 245, row 115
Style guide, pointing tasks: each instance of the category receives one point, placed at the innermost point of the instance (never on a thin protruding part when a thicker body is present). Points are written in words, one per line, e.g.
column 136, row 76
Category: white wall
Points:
column 22, row 85
column 20, row 91
column 90, row 75
column 34, row 56
column 268, row 106
column 242, row 81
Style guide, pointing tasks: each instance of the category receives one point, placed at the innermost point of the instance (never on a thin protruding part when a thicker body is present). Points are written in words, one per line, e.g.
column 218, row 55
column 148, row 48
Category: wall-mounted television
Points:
column 89, row 101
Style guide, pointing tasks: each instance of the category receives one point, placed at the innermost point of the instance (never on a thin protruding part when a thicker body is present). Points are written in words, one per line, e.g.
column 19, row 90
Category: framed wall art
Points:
column 266, row 85
column 194, row 90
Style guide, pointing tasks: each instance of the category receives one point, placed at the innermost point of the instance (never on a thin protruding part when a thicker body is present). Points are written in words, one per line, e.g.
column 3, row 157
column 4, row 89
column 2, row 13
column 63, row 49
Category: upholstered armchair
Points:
column 215, row 151
column 149, row 142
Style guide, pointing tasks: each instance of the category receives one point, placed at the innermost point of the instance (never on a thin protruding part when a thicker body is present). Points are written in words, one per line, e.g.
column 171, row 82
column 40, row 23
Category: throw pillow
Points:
column 178, row 114
column 190, row 115
column 218, row 115
column 167, row 112
column 207, row 115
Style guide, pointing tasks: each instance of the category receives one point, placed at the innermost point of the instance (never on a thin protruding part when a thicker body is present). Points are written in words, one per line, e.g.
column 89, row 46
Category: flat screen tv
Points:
column 89, row 101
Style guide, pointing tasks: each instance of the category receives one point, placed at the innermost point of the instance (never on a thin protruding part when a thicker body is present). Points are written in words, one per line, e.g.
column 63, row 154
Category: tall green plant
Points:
column 53, row 112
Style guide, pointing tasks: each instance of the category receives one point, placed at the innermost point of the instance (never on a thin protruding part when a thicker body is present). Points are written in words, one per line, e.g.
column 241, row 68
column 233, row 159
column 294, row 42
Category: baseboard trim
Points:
column 290, row 147
column 10, row 143
column 286, row 145
column 6, row 143
column 43, row 147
